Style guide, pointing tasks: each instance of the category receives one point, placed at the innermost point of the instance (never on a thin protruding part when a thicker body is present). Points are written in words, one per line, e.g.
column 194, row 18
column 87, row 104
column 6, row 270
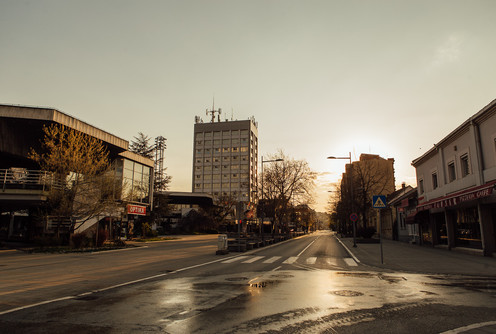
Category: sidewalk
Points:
column 399, row 256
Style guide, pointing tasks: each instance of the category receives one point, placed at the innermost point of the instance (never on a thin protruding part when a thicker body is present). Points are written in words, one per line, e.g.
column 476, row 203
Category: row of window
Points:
column 225, row 142
column 224, row 149
column 219, row 186
column 225, row 134
column 225, row 176
column 233, row 158
column 452, row 174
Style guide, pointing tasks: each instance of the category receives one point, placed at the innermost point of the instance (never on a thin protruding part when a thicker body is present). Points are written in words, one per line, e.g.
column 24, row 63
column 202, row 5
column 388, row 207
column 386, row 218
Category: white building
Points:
column 225, row 159
column 455, row 182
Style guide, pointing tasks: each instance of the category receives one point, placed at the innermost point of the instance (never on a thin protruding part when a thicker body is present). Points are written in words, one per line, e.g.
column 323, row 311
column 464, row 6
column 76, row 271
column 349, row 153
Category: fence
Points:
column 21, row 178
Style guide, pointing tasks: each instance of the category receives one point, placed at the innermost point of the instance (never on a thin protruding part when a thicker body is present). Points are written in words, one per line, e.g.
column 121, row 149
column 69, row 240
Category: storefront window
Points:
column 467, row 231
column 135, row 182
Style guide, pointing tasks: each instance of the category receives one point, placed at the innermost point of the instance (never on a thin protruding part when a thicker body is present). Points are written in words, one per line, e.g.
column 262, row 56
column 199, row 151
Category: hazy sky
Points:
column 321, row 77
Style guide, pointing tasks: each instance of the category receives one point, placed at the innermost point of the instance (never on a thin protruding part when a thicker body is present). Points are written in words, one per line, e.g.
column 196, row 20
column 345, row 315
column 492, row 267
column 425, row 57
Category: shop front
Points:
column 465, row 219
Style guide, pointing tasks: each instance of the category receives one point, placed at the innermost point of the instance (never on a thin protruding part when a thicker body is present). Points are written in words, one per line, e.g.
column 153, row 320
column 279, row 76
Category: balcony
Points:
column 20, row 186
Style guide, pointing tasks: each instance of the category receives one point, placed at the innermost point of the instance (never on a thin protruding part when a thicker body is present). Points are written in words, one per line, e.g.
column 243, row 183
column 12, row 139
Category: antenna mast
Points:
column 213, row 111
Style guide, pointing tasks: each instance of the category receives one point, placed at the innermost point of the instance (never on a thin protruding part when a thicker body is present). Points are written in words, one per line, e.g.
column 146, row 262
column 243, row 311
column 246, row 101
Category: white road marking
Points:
column 291, row 260
column 308, row 246
column 467, row 328
column 272, row 259
column 311, row 260
column 253, row 259
column 235, row 258
column 350, row 262
column 349, row 252
column 239, row 258
column 331, row 261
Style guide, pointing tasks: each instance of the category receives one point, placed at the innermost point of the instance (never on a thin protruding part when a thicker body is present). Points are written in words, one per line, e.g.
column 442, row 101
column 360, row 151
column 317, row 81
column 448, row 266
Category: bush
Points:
column 80, row 240
column 147, row 231
column 366, row 232
column 47, row 241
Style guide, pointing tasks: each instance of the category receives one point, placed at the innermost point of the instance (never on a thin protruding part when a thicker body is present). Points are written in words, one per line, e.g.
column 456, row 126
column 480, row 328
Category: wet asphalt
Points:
column 308, row 285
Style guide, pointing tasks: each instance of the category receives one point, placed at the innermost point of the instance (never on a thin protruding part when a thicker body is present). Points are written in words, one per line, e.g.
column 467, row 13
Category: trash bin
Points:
column 222, row 242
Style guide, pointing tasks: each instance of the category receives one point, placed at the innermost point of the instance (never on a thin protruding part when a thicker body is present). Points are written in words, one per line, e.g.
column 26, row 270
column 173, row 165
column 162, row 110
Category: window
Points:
column 464, row 165
column 434, row 181
column 244, row 149
column 451, row 171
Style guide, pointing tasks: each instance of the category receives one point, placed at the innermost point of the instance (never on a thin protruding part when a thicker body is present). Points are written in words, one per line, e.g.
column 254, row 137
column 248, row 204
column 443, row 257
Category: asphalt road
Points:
column 306, row 285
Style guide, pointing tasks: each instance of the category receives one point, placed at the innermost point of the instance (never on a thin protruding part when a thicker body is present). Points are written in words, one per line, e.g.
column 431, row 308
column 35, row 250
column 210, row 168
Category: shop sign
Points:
column 136, row 210
column 455, row 200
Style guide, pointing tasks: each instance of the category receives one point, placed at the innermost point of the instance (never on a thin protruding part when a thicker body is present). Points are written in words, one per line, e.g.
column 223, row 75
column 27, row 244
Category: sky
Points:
column 321, row 78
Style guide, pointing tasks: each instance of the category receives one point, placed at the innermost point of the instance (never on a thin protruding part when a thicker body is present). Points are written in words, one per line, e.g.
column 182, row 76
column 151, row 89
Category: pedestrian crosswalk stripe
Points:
column 272, row 259
column 349, row 261
column 253, row 259
column 235, row 259
column 331, row 261
column 291, row 260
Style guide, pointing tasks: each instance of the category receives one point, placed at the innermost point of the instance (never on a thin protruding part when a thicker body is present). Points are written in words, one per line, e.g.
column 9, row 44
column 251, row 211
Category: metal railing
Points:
column 22, row 178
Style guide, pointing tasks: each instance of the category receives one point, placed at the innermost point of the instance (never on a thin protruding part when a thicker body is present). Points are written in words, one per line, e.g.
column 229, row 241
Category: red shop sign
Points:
column 136, row 210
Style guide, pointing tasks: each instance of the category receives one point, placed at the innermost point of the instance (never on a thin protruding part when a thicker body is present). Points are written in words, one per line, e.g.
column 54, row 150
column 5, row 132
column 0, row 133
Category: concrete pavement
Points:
column 400, row 256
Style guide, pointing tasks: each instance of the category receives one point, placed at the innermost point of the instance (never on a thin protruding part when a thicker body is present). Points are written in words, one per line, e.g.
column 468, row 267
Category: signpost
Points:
column 379, row 202
column 354, row 218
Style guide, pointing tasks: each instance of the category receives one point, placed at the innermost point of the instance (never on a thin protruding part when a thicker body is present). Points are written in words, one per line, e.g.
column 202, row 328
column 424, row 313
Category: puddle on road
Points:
column 262, row 284
column 283, row 275
column 387, row 278
column 236, row 279
column 356, row 274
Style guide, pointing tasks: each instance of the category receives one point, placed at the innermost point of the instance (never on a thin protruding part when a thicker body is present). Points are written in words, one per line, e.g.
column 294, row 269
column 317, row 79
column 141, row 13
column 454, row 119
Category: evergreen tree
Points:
column 141, row 145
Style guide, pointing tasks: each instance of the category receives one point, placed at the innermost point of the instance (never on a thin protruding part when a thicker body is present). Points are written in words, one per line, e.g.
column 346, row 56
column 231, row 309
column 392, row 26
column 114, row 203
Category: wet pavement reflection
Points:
column 282, row 301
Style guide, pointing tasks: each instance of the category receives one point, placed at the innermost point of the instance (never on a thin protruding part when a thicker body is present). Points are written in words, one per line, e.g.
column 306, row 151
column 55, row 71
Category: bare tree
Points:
column 80, row 163
column 286, row 183
column 371, row 177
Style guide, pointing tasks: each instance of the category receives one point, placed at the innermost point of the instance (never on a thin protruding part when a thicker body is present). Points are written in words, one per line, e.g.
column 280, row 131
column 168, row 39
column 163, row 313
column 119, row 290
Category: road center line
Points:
column 112, row 287
column 307, row 247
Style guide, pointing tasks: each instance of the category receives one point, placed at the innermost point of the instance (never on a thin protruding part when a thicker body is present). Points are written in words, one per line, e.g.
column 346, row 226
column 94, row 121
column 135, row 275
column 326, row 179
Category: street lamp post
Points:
column 263, row 204
column 351, row 193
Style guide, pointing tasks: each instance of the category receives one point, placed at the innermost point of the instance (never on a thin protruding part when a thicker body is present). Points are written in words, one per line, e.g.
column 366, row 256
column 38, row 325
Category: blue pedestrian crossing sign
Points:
column 379, row 201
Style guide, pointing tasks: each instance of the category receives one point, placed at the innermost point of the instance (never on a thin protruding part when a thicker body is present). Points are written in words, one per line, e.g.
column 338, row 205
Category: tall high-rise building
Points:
column 225, row 158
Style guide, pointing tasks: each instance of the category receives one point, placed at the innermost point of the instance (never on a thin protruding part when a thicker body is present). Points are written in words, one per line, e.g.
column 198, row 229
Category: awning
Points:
column 459, row 197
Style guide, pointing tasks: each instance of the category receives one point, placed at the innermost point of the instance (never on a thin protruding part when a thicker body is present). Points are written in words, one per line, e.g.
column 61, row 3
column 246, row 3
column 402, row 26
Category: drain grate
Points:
column 347, row 293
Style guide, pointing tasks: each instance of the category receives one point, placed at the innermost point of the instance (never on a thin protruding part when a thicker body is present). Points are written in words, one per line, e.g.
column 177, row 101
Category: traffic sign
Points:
column 353, row 217
column 379, row 201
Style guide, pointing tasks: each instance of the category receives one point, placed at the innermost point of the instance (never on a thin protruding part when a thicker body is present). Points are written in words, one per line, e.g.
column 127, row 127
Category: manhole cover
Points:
column 347, row 293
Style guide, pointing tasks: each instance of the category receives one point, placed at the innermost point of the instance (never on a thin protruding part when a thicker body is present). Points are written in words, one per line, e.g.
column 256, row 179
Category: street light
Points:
column 351, row 193
column 263, row 204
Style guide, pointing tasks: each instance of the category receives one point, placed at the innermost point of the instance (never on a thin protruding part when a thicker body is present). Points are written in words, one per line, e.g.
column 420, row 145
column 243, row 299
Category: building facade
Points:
column 372, row 175
column 24, row 188
column 225, row 159
column 455, row 181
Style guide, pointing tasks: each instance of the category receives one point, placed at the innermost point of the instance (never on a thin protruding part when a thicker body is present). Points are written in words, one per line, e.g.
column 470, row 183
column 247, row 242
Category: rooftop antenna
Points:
column 213, row 111
column 232, row 114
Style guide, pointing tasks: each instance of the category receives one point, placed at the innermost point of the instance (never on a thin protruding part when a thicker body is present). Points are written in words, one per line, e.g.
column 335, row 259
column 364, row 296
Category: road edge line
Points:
column 469, row 327
column 347, row 249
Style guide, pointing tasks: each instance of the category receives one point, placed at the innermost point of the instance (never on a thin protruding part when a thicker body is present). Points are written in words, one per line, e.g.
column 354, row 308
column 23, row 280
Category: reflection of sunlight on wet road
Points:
column 255, row 302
